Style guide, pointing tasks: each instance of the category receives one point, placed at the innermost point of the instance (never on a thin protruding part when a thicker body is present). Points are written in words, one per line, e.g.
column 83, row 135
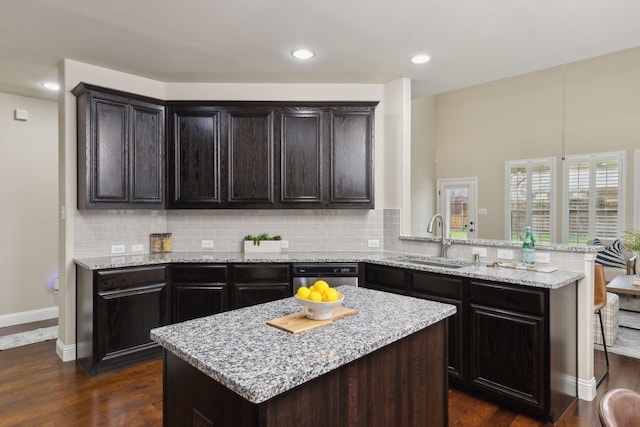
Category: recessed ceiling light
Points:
column 421, row 59
column 303, row 54
column 51, row 86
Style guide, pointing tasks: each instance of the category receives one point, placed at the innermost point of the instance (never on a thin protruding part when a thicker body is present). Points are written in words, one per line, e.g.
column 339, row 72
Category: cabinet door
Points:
column 351, row 158
column 147, row 155
column 258, row 283
column 448, row 290
column 252, row 158
column 507, row 355
column 194, row 162
column 107, row 156
column 129, row 302
column 198, row 291
column 302, row 157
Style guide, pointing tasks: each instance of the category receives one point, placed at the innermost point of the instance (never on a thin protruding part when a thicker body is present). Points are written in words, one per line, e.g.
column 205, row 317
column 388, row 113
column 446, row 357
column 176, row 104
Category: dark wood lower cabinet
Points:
column 448, row 290
column 511, row 344
column 523, row 347
column 116, row 309
column 258, row 283
column 403, row 384
column 198, row 291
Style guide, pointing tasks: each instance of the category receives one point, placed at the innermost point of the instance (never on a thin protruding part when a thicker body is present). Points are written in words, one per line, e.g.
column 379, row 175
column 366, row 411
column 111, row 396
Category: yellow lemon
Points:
column 303, row 292
column 321, row 286
column 315, row 296
column 330, row 295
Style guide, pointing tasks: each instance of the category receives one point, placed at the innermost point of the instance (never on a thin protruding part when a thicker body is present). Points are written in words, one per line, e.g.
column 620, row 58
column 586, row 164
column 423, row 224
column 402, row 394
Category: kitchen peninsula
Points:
column 386, row 365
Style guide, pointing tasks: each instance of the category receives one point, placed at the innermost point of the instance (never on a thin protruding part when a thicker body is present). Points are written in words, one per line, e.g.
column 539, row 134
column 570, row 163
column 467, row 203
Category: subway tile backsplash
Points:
column 305, row 230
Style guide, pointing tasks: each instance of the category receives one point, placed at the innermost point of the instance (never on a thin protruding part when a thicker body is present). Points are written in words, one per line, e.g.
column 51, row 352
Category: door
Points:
column 457, row 205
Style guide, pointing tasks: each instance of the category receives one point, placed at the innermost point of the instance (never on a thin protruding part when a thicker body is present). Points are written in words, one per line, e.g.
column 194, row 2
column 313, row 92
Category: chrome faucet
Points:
column 445, row 243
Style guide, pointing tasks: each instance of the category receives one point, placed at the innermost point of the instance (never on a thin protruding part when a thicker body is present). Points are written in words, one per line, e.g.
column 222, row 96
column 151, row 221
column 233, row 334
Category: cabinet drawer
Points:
column 261, row 273
column 127, row 277
column 436, row 284
column 199, row 273
column 383, row 278
column 509, row 297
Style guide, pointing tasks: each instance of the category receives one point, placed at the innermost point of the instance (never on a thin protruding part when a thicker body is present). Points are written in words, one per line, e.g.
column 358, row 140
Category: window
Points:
column 530, row 199
column 593, row 206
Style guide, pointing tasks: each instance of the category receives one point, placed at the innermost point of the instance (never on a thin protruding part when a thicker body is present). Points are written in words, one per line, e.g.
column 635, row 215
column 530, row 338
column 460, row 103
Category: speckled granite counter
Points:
column 545, row 280
column 240, row 351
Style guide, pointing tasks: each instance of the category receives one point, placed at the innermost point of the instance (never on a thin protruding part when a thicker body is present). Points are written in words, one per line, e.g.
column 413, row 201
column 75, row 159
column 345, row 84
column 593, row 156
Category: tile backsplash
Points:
column 305, row 230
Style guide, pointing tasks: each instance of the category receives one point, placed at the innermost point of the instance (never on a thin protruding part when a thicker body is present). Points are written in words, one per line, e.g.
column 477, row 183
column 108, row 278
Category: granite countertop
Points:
column 552, row 280
column 257, row 361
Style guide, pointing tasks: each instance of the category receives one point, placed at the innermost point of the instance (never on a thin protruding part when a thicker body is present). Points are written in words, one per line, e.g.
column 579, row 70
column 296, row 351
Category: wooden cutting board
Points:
column 297, row 322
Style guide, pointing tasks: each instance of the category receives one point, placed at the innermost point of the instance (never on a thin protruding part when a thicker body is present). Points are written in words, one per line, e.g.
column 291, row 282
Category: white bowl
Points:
column 316, row 310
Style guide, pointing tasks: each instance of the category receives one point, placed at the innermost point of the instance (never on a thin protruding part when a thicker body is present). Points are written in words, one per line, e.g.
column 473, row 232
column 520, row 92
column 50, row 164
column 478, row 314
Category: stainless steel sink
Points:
column 435, row 262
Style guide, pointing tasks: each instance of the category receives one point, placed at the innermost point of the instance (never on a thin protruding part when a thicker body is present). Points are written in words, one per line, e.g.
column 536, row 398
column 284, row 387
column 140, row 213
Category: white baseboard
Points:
column 587, row 389
column 66, row 353
column 28, row 316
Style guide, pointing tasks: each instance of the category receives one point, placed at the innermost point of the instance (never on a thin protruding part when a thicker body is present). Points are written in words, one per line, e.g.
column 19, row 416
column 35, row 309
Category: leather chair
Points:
column 599, row 301
column 620, row 408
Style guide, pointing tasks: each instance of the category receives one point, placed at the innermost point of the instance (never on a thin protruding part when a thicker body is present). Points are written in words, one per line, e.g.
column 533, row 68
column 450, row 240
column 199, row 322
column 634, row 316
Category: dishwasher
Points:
column 335, row 274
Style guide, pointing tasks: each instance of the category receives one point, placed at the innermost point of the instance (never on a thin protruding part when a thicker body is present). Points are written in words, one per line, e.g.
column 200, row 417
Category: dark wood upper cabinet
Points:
column 302, row 154
column 195, row 157
column 222, row 155
column 251, row 157
column 327, row 156
column 351, row 164
column 121, row 146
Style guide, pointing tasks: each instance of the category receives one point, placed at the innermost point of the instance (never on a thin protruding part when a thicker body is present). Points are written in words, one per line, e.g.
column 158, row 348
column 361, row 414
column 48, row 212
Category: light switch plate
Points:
column 374, row 243
column 284, row 244
column 207, row 244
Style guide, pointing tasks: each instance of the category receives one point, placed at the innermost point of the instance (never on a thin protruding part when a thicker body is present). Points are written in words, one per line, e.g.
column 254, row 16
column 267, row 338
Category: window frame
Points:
column 593, row 158
column 529, row 164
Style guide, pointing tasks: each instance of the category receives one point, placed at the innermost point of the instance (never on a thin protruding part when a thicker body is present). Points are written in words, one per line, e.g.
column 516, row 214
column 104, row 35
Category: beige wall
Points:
column 479, row 128
column 28, row 189
column 423, row 166
column 73, row 72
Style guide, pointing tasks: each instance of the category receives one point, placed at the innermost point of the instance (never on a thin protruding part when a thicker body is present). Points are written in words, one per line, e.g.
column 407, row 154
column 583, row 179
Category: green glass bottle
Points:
column 529, row 249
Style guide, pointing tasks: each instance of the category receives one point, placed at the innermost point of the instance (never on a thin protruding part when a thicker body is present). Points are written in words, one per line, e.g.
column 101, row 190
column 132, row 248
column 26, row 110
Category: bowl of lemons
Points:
column 318, row 300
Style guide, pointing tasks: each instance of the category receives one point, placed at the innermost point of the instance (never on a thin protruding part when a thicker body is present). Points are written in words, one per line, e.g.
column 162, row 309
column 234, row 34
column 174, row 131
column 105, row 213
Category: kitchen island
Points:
column 386, row 365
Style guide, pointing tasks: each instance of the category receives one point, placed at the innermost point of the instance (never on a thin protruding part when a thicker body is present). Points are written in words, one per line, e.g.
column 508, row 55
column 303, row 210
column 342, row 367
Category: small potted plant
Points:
column 262, row 243
column 631, row 240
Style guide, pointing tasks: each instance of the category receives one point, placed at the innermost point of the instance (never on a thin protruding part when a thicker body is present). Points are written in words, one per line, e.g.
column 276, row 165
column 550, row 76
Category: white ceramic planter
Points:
column 265, row 246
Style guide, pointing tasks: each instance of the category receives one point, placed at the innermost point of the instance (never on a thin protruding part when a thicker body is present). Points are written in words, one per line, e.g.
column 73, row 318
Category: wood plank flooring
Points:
column 37, row 389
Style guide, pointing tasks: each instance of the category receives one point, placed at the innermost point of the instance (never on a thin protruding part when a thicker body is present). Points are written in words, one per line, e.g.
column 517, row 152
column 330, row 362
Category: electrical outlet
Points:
column 117, row 249
column 543, row 257
column 207, row 244
column 137, row 248
column 284, row 244
column 480, row 251
column 504, row 254
column 374, row 243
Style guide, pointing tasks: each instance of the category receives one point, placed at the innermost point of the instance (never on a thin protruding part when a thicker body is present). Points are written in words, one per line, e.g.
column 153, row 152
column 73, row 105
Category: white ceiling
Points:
column 357, row 41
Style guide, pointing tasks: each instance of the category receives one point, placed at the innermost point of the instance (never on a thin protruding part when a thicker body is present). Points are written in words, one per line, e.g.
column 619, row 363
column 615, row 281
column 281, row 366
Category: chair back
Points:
column 599, row 288
column 619, row 408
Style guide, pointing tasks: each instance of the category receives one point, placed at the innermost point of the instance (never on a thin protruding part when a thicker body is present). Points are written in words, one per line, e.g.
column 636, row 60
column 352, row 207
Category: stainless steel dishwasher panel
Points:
column 335, row 274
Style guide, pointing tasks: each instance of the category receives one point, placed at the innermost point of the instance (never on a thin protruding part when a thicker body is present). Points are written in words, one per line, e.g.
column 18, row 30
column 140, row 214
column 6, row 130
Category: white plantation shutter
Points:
column 530, row 198
column 593, row 206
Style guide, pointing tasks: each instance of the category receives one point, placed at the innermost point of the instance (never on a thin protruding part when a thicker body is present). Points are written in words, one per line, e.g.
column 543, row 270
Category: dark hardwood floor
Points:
column 38, row 389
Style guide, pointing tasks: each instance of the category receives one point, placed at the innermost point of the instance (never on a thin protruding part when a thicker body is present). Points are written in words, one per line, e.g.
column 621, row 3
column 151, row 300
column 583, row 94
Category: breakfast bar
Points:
column 385, row 365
